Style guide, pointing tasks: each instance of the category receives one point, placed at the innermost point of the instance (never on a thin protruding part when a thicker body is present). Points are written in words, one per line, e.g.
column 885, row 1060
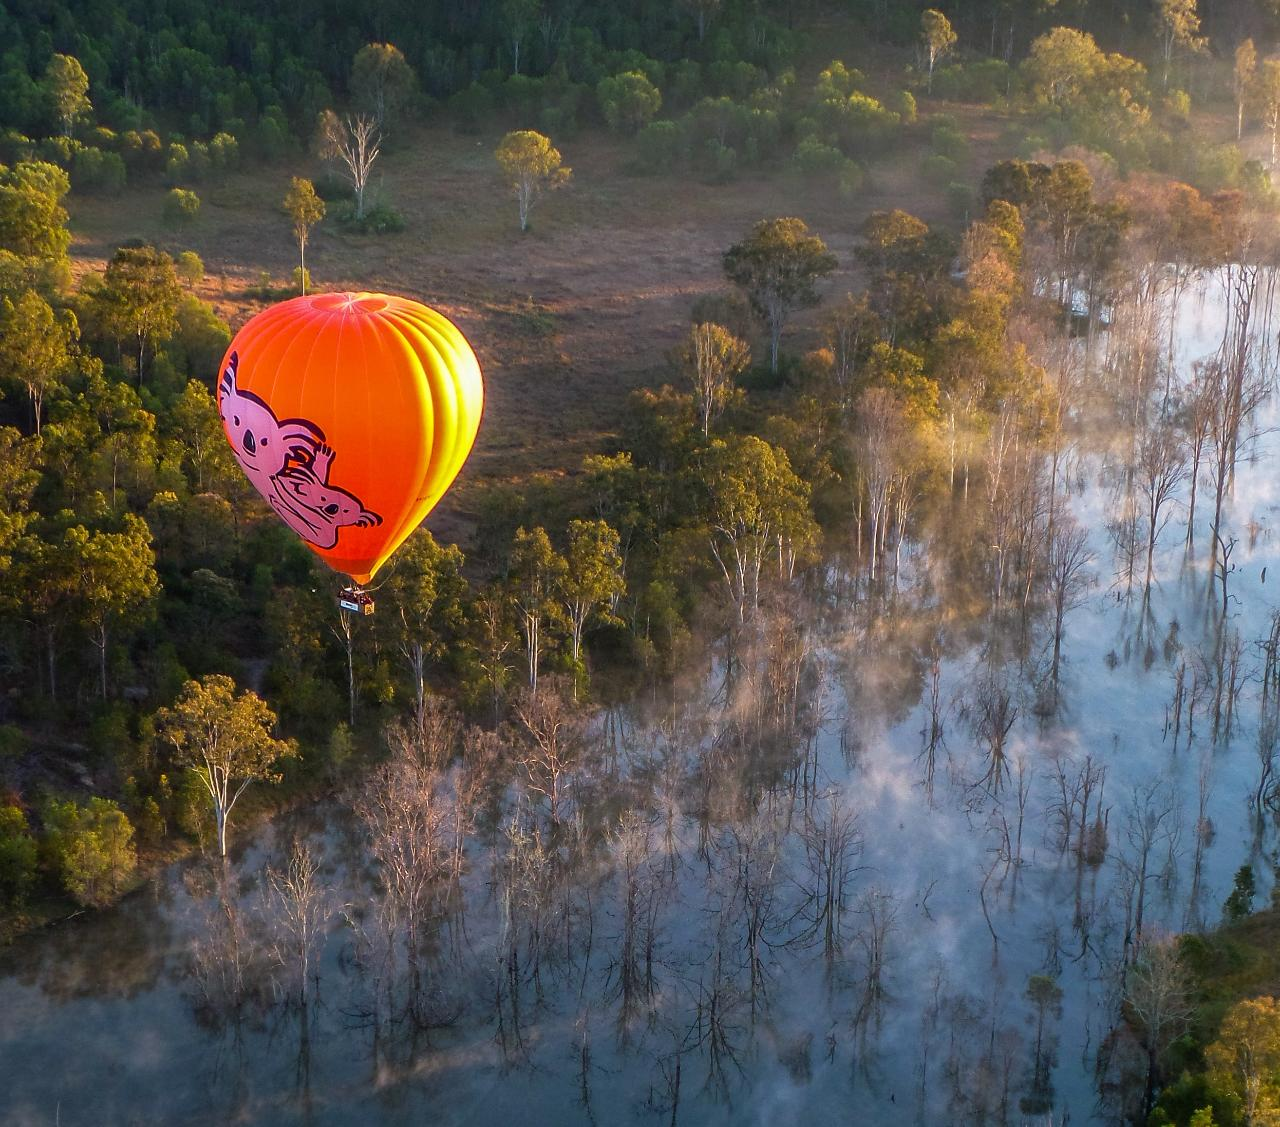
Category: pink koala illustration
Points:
column 288, row 462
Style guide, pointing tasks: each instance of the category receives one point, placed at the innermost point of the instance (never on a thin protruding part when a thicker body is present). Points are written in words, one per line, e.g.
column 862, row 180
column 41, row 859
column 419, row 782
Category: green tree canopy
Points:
column 1245, row 1058
column 35, row 346
column 93, row 848
column 592, row 582
column 18, row 856
column 427, row 592
column 382, row 82
column 537, row 571
column 777, row 266
column 113, row 577
column 530, row 164
column 628, row 100
column 33, row 222
column 758, row 512
column 938, row 37
column 305, row 209
column 140, row 298
column 711, row 358
column 225, row 738
column 68, row 89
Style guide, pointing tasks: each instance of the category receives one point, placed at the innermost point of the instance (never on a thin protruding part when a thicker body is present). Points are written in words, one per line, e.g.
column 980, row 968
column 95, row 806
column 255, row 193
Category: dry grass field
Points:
column 566, row 319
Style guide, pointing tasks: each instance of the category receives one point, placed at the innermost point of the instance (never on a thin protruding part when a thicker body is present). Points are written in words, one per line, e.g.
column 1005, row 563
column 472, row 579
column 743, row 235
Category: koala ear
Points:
column 227, row 387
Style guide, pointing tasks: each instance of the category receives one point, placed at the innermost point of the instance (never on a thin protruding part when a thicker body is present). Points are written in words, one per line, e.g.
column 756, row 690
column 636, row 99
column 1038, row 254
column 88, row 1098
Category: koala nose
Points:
column 250, row 444
column 332, row 510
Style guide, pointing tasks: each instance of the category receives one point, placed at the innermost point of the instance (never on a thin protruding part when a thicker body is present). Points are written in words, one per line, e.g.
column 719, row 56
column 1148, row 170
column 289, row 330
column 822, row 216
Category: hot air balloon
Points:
column 351, row 413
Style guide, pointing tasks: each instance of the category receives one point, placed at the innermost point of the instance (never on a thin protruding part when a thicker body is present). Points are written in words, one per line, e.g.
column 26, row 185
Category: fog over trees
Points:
column 844, row 682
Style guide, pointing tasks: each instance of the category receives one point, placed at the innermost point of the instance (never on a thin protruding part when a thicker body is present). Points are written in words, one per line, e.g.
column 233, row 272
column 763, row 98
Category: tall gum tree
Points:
column 530, row 165
column 778, row 266
column 938, row 37
column 225, row 738
column 305, row 209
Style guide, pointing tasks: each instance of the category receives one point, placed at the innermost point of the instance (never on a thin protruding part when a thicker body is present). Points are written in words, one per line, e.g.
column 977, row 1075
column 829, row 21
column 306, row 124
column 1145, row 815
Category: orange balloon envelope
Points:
column 351, row 413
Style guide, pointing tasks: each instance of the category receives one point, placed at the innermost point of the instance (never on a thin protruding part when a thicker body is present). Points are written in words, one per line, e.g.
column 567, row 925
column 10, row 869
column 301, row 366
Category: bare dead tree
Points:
column 1199, row 415
column 640, row 873
column 550, row 737
column 883, row 445
column 409, row 812
column 877, row 909
column 832, row 843
column 715, row 1031
column 1079, row 806
column 933, row 733
column 1067, row 578
column 1228, row 653
column 1236, row 390
column 1158, row 1003
column 301, row 906
column 1161, row 469
column 344, row 630
column 524, row 884
column 228, row 959
column 354, row 143
column 1150, row 824
column 849, row 330
column 1267, row 790
column 993, row 715
column 755, row 870
column 1222, row 569
column 430, row 739
column 1270, row 646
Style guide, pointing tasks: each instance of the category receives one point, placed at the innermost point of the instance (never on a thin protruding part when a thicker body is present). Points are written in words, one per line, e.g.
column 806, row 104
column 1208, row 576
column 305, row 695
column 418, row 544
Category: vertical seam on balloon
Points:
column 444, row 413
column 285, row 309
column 447, row 331
column 369, row 559
column 408, row 341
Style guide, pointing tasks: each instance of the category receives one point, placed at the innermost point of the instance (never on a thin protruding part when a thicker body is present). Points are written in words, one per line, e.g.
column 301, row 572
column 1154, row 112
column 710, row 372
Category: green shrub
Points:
column 273, row 135
column 58, row 150
column 1240, row 903
column 142, row 151
column 852, row 179
column 1177, row 103
column 628, row 101
column 301, row 280
column 813, row 158
column 903, row 103
column 181, row 207
column 12, row 741
column 177, row 161
column 471, row 107
column 721, row 161
column 15, row 147
column 984, row 80
column 960, row 199
column 93, row 170
column 224, row 152
column 685, row 83
column 331, row 187
column 379, row 219
column 91, row 849
column 949, row 142
column 938, row 169
column 660, row 145
column 189, row 267
column 18, row 856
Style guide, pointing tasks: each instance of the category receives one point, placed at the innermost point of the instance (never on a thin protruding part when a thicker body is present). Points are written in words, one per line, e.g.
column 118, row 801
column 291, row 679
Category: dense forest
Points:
column 844, row 682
